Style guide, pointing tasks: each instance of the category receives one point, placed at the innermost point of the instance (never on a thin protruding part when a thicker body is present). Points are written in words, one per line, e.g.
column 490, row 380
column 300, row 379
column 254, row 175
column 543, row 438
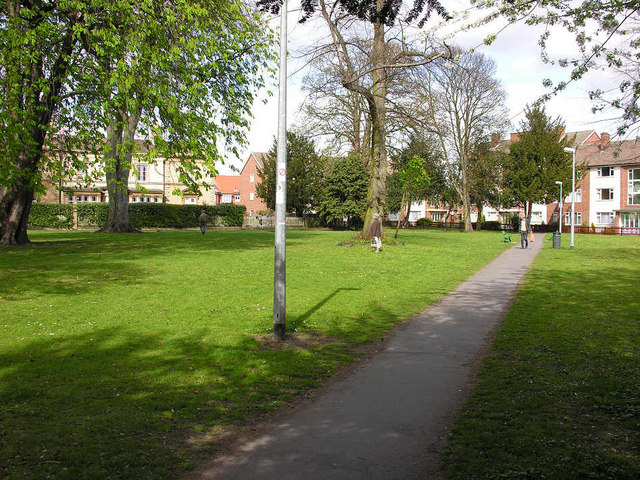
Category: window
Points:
column 251, row 213
column 630, row 220
column 437, row 216
column 142, row 172
column 251, row 178
column 634, row 187
column 226, row 198
column 577, row 217
column 94, row 199
column 190, row 200
column 605, row 193
column 605, row 172
column 252, row 196
column 605, row 218
column 236, row 198
column 578, row 197
column 555, row 217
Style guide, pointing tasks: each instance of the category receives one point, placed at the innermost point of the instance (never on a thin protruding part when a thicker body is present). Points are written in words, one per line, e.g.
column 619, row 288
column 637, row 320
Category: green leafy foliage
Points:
column 305, row 170
column 143, row 215
column 537, row 160
column 344, row 194
column 51, row 215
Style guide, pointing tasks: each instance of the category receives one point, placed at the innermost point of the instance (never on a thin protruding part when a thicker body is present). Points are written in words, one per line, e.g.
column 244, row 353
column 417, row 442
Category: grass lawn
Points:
column 559, row 392
column 126, row 356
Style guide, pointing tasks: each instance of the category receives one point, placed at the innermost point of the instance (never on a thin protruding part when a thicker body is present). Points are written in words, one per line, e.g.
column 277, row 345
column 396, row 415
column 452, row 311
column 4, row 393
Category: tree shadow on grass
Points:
column 124, row 405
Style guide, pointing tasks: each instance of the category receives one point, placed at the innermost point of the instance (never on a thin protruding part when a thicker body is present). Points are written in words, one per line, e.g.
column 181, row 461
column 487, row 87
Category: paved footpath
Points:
column 390, row 417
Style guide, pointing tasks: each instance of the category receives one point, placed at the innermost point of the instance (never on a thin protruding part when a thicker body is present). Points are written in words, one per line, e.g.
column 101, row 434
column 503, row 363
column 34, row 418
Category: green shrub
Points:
column 492, row 225
column 142, row 215
column 424, row 222
column 92, row 214
column 51, row 215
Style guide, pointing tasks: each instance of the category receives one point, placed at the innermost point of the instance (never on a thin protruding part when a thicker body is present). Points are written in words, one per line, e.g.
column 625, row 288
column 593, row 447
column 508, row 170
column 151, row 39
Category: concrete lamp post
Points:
column 558, row 182
column 572, row 151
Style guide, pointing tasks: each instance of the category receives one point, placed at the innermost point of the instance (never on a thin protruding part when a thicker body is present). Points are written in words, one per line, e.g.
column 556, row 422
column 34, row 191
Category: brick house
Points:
column 609, row 193
column 241, row 189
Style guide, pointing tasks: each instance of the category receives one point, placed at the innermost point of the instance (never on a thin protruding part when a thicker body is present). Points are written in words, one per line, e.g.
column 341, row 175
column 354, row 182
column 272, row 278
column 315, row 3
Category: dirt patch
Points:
column 295, row 341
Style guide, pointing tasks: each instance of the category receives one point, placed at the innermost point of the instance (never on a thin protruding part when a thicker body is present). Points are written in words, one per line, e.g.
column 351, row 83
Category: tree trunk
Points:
column 15, row 205
column 377, row 192
column 466, row 201
column 404, row 199
column 117, row 170
column 479, row 222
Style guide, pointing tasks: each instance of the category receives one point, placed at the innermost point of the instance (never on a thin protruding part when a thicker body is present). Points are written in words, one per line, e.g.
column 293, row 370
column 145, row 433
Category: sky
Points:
column 519, row 67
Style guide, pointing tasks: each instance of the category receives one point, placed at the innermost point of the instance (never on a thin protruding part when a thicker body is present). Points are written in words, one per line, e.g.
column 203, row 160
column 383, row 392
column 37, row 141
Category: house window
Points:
column 251, row 213
column 226, row 198
column 634, row 187
column 605, row 193
column 630, row 220
column 437, row 216
column 251, row 178
column 252, row 196
column 142, row 172
column 605, row 218
column 555, row 217
column 578, row 197
column 577, row 217
column 605, row 172
column 236, row 198
column 189, row 200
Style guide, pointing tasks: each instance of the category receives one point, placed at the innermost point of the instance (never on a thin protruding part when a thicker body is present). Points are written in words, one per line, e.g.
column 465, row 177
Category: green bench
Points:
column 506, row 238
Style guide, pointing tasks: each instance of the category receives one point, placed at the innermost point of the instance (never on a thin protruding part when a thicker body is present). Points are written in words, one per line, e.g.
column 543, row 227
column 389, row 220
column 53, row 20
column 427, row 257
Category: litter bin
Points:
column 557, row 236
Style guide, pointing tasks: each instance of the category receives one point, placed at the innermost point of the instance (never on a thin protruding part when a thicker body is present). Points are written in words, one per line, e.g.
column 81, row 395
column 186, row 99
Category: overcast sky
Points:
column 519, row 67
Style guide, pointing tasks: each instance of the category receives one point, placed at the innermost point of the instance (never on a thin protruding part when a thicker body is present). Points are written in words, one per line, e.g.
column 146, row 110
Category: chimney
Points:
column 604, row 140
column 495, row 139
column 515, row 137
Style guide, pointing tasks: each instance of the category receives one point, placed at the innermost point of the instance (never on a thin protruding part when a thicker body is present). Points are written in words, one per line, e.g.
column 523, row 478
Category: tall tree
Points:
column 39, row 45
column 413, row 184
column 186, row 72
column 468, row 101
column 305, row 169
column 343, row 200
column 372, row 85
column 486, row 183
column 537, row 160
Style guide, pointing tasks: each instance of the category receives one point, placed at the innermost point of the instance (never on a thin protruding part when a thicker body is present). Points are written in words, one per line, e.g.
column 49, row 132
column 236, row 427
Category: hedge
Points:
column 142, row 215
column 51, row 215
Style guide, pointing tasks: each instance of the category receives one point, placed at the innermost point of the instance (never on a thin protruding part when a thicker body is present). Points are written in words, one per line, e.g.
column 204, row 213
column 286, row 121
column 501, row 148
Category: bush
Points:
column 424, row 222
column 491, row 225
column 142, row 215
column 51, row 215
column 92, row 214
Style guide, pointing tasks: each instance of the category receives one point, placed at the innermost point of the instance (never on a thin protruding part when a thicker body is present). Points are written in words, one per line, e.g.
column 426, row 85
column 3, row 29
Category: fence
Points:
column 268, row 222
column 593, row 230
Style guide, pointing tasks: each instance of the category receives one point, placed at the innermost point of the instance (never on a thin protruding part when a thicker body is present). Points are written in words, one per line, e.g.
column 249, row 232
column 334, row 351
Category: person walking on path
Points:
column 376, row 232
column 204, row 219
column 525, row 230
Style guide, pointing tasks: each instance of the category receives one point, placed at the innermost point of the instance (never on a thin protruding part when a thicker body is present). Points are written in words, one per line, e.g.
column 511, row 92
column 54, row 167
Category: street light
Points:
column 558, row 182
column 572, row 151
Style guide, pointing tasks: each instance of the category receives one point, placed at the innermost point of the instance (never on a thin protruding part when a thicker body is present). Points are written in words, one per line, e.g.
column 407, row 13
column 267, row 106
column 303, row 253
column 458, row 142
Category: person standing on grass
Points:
column 204, row 219
column 376, row 232
column 525, row 229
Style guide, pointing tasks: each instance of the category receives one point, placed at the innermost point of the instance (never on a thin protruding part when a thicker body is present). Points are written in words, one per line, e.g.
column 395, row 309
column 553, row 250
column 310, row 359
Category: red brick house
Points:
column 609, row 193
column 241, row 189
